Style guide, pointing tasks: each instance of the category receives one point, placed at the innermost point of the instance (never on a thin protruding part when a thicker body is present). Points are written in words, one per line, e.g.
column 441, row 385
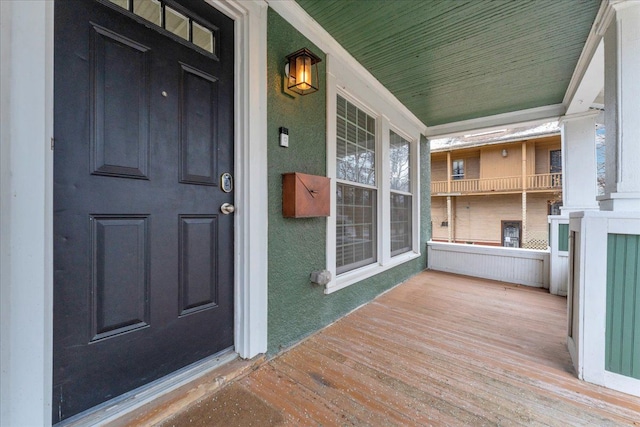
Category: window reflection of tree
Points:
column 356, row 200
column 399, row 162
column 358, row 165
column 400, row 180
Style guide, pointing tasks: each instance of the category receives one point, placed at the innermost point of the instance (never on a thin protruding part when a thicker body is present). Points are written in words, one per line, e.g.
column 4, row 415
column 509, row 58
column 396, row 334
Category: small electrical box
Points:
column 305, row 196
column 284, row 137
column 320, row 277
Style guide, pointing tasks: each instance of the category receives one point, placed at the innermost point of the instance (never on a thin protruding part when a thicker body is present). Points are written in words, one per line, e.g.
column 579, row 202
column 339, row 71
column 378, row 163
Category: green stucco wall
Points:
column 297, row 308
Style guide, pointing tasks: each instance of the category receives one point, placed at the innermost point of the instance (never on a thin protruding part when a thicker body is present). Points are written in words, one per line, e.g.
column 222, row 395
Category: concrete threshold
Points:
column 156, row 402
column 166, row 406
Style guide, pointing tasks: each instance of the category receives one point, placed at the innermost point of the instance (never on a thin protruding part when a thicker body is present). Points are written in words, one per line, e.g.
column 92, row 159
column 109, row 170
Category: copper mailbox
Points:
column 305, row 196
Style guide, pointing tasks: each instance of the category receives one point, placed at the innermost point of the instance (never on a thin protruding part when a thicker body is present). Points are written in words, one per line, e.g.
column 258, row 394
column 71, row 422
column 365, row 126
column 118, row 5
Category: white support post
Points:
column 591, row 288
column 579, row 187
column 449, row 219
column 622, row 109
column 524, row 238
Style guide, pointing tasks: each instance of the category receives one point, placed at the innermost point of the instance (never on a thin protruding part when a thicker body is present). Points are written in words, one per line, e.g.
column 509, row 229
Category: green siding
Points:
column 623, row 305
column 297, row 308
column 451, row 60
column 563, row 237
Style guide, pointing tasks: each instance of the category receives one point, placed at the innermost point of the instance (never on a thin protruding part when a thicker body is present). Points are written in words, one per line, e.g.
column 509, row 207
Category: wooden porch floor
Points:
column 439, row 349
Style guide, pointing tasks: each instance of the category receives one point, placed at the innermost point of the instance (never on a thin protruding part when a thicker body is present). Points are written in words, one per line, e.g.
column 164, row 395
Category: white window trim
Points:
column 348, row 83
column 414, row 179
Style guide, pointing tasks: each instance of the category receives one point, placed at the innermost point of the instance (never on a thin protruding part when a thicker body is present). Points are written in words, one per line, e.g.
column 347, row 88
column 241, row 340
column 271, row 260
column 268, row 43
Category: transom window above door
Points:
column 174, row 21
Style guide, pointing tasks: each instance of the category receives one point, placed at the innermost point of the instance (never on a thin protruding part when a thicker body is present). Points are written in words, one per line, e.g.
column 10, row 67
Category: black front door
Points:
column 143, row 256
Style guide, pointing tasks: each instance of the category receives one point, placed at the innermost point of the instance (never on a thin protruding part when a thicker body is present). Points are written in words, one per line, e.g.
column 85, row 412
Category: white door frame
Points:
column 251, row 173
column 26, row 199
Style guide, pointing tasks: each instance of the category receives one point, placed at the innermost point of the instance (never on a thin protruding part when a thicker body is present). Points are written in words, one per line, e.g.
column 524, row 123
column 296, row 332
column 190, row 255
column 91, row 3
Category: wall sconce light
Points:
column 300, row 69
column 504, row 152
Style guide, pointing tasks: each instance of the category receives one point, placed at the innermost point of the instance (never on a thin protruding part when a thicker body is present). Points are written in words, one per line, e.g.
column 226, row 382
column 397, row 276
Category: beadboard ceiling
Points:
column 453, row 60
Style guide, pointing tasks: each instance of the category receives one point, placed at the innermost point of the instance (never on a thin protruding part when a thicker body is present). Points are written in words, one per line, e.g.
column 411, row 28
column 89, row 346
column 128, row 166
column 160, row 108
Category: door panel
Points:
column 143, row 259
column 120, row 280
column 511, row 234
column 198, row 145
column 120, row 125
column 198, row 247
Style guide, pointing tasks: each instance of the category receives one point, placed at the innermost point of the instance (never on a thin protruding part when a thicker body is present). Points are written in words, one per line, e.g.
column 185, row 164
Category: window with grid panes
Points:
column 401, row 203
column 356, row 191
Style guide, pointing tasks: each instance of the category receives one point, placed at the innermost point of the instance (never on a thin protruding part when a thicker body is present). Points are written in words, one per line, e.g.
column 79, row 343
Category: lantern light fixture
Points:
column 505, row 153
column 301, row 71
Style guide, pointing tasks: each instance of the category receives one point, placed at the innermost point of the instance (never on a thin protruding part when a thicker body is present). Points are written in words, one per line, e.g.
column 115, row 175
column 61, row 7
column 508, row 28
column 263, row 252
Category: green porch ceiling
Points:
column 452, row 60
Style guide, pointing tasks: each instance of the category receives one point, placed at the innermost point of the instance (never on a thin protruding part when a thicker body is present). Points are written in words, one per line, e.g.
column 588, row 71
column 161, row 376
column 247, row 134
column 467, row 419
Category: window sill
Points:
column 351, row 277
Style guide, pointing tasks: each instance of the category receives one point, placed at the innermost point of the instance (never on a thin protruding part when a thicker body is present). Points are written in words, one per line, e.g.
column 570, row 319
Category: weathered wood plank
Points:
column 440, row 350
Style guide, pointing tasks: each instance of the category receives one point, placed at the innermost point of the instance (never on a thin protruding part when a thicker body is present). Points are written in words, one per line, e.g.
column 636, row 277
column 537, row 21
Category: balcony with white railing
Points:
column 507, row 184
column 546, row 181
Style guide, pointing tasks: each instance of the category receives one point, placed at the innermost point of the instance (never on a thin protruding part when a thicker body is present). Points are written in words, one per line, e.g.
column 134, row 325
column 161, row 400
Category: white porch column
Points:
column 579, row 189
column 604, row 296
column 622, row 109
column 524, row 238
column 450, row 217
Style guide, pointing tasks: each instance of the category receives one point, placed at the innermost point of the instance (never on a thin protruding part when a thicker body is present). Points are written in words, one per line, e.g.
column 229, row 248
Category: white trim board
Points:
column 529, row 117
column 251, row 255
column 588, row 76
column 26, row 212
column 590, row 85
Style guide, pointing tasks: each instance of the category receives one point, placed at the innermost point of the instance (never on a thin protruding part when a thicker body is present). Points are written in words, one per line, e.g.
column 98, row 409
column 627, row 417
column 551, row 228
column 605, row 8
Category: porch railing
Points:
column 438, row 187
column 544, row 181
column 512, row 265
column 548, row 181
